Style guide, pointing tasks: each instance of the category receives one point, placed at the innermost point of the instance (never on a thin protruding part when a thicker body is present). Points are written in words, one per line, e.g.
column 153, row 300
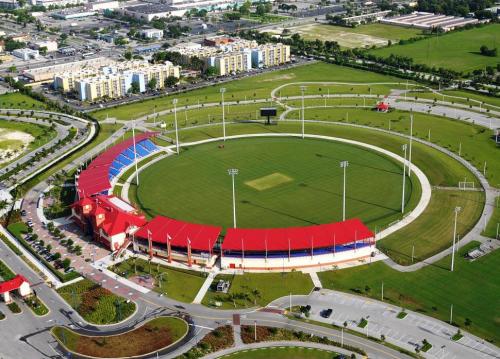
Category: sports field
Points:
column 281, row 182
column 360, row 36
column 471, row 288
column 457, row 51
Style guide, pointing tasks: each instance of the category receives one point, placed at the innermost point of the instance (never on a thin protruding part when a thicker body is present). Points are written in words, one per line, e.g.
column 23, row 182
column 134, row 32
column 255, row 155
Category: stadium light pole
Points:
column 457, row 209
column 404, row 147
column 411, row 141
column 344, row 165
column 302, row 90
column 233, row 172
column 135, row 156
column 174, row 102
column 222, row 90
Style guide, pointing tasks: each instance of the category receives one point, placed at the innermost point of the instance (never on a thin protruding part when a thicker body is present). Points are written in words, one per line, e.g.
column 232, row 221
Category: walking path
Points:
column 315, row 279
column 204, row 288
column 280, row 344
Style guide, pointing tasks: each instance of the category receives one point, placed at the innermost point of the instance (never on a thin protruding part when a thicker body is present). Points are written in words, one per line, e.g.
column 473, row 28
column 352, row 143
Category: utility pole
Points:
column 457, row 209
column 174, row 102
column 233, row 172
column 404, row 180
column 344, row 165
column 222, row 90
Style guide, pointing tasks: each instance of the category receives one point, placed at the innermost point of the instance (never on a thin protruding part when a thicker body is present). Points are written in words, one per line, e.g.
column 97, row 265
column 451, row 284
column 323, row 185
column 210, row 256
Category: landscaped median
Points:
column 96, row 304
column 151, row 337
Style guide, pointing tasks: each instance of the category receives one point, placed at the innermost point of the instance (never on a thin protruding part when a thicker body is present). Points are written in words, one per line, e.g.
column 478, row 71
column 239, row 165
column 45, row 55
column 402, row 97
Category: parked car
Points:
column 327, row 313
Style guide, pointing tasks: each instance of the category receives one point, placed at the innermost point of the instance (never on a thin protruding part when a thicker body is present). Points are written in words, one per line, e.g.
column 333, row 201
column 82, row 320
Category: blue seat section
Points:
column 149, row 145
column 126, row 161
column 114, row 172
column 129, row 152
column 141, row 151
column 140, row 145
column 117, row 165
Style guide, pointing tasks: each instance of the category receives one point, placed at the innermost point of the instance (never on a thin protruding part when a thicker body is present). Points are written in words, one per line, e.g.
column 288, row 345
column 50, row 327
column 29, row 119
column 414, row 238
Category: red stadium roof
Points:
column 296, row 238
column 12, row 284
column 202, row 237
column 95, row 178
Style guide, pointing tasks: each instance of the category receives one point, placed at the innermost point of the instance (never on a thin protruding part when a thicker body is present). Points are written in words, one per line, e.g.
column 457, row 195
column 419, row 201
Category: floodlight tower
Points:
column 135, row 156
column 302, row 90
column 174, row 102
column 222, row 90
column 404, row 147
column 457, row 209
column 344, row 165
column 233, row 172
column 411, row 141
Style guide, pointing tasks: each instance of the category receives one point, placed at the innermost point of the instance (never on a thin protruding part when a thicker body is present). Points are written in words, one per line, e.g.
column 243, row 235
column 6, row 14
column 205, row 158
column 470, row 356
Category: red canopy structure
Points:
column 95, row 178
column 383, row 107
column 12, row 284
column 163, row 229
column 296, row 238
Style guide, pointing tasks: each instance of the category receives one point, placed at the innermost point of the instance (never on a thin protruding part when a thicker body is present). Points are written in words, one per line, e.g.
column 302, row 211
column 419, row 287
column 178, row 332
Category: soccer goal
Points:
column 464, row 185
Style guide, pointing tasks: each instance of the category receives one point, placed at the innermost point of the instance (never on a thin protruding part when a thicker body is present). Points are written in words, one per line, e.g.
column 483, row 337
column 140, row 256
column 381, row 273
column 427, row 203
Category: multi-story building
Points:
column 270, row 55
column 116, row 81
column 47, row 73
column 65, row 82
column 26, row 54
column 151, row 33
column 228, row 63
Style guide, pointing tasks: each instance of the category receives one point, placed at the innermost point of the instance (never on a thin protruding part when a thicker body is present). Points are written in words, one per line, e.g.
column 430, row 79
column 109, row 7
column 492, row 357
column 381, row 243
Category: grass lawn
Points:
column 254, row 87
column 36, row 305
column 95, row 304
column 18, row 100
column 477, row 145
column 471, row 289
column 432, row 232
column 457, row 51
column 360, row 36
column 273, row 174
column 460, row 97
column 282, row 353
column 493, row 227
column 177, row 284
column 257, row 289
column 5, row 272
column 154, row 335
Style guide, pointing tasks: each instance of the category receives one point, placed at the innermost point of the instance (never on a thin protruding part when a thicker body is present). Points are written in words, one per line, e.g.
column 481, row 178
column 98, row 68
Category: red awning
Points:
column 202, row 237
column 12, row 284
column 296, row 238
column 95, row 178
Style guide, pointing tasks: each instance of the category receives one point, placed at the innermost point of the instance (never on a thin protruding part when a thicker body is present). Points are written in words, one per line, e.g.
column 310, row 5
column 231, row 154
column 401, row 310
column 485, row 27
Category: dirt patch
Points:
column 289, row 76
column 13, row 144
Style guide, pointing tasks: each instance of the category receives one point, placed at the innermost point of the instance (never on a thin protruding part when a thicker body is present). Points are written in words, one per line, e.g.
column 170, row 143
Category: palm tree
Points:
column 256, row 294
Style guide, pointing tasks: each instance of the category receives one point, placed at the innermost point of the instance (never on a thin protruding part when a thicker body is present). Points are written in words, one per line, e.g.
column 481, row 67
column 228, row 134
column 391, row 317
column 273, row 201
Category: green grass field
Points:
column 179, row 285
column 477, row 144
column 360, row 36
column 19, row 101
column 282, row 353
column 471, row 288
column 432, row 232
column 254, row 87
column 273, row 174
column 457, row 51
column 493, row 227
column 258, row 289
column 460, row 97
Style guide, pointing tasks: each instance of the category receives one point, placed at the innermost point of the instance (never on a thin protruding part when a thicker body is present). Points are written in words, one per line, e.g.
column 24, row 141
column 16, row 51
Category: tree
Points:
column 134, row 87
column 128, row 55
column 62, row 38
column 152, row 83
column 171, row 81
column 57, row 256
column 211, row 71
column 485, row 51
column 12, row 69
column 66, row 263
column 260, row 10
column 43, row 50
column 245, row 8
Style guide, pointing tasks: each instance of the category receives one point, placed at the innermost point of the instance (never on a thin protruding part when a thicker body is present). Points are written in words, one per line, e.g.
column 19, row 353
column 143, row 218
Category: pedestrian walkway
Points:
column 204, row 288
column 315, row 280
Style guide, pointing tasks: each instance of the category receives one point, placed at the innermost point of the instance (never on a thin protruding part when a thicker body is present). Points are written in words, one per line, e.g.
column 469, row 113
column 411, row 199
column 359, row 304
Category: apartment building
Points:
column 230, row 62
column 115, row 82
column 65, row 82
column 270, row 55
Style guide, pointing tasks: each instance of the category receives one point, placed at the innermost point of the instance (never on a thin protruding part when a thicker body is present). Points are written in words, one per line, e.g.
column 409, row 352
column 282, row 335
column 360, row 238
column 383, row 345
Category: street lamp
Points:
column 457, row 209
column 135, row 156
column 404, row 147
column 344, row 165
column 222, row 90
column 411, row 141
column 233, row 172
column 302, row 90
column 174, row 102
